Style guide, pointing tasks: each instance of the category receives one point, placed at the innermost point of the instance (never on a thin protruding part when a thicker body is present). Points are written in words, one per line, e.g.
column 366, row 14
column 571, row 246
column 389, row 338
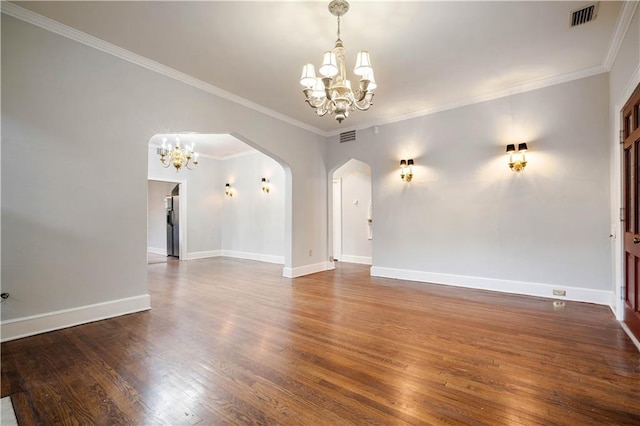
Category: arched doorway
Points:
column 252, row 224
column 352, row 213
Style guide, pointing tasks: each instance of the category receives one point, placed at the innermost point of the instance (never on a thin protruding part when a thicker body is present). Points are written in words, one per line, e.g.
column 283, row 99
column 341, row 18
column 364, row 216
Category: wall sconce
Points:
column 265, row 185
column 228, row 190
column 406, row 170
column 517, row 159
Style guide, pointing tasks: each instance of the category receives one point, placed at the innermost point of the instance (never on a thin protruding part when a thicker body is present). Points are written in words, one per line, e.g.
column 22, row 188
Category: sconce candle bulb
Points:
column 265, row 185
column 227, row 190
column 517, row 158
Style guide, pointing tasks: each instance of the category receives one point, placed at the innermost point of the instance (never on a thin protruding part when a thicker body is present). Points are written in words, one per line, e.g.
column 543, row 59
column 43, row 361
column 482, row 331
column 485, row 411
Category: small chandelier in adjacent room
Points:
column 331, row 92
column 177, row 155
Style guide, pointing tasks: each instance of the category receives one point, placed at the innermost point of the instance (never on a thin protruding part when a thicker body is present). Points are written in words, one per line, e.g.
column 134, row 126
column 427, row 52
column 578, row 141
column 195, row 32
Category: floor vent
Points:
column 584, row 15
column 348, row 136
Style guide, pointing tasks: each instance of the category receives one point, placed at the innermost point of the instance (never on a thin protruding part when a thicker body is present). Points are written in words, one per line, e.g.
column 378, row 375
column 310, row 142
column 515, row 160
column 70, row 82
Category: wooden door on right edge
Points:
column 631, row 205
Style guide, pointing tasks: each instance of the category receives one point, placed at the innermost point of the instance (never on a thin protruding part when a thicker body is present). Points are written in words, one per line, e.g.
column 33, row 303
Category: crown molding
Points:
column 56, row 27
column 522, row 88
column 622, row 26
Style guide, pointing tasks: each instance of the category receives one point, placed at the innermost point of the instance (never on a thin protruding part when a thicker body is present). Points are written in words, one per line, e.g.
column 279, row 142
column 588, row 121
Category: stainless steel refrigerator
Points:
column 172, row 204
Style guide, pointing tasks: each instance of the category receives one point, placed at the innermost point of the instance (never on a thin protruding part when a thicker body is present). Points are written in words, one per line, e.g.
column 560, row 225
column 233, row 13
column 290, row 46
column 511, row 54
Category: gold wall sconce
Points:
column 228, row 190
column 265, row 185
column 406, row 170
column 517, row 158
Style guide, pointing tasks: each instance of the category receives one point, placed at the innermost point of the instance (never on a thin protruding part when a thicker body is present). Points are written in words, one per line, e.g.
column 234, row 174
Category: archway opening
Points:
column 352, row 213
column 249, row 222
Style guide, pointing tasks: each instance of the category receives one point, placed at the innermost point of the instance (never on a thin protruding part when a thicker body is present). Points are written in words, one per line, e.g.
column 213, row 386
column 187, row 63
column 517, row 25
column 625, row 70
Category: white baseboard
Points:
column 50, row 321
column 307, row 269
column 356, row 259
column 577, row 294
column 203, row 254
column 613, row 304
column 156, row 250
column 253, row 256
column 236, row 254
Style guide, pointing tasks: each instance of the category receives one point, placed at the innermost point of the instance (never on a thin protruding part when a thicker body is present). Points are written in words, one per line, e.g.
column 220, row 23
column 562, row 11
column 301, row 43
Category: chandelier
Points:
column 177, row 155
column 331, row 92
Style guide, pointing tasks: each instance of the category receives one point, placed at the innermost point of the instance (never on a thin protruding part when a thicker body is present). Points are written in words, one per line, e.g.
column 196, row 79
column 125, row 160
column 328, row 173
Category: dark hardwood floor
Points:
column 232, row 342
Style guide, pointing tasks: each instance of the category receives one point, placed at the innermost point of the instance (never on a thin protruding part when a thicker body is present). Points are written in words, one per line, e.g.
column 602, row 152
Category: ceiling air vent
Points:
column 348, row 136
column 584, row 15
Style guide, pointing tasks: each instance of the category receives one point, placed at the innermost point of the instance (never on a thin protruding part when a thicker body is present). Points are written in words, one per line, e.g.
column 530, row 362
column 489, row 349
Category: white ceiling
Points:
column 427, row 56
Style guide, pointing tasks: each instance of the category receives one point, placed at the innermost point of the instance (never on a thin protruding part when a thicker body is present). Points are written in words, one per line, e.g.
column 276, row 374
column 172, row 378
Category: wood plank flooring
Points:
column 232, row 342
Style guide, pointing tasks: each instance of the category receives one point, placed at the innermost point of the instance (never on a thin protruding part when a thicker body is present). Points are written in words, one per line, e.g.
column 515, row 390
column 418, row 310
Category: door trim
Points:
column 618, row 304
column 182, row 211
column 336, row 212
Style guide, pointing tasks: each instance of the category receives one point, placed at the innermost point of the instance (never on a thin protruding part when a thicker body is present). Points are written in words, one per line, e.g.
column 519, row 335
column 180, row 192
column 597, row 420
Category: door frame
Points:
column 336, row 212
column 618, row 303
column 182, row 212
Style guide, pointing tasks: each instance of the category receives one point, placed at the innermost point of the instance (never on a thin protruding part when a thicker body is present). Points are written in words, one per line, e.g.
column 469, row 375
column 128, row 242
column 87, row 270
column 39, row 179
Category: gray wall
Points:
column 156, row 215
column 356, row 197
column 466, row 214
column 83, row 119
column 253, row 221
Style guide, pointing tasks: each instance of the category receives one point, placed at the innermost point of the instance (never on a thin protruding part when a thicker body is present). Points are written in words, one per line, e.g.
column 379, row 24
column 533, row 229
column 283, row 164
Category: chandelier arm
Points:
column 163, row 160
column 325, row 103
column 363, row 106
column 312, row 105
column 307, row 94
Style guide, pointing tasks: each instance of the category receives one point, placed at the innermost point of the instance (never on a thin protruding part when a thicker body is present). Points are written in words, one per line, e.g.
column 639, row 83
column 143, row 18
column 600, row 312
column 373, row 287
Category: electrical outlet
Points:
column 559, row 292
